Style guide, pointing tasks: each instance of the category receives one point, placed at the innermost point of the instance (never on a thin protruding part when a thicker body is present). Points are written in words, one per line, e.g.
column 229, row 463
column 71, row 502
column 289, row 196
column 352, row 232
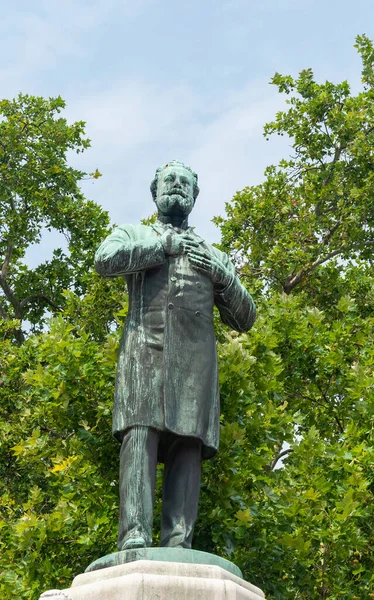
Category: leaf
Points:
column 96, row 174
column 64, row 464
column 19, row 448
column 311, row 494
column 244, row 515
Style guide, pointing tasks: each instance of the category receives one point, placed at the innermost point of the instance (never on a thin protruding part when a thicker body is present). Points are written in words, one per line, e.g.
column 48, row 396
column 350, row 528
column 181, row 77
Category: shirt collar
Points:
column 159, row 225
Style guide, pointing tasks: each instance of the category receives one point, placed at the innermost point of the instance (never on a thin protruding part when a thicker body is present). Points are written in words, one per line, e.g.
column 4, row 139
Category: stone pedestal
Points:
column 158, row 580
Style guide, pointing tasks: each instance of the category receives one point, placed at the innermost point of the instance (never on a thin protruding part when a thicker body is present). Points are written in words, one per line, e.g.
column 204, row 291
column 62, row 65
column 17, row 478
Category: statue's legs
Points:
column 138, row 463
column 180, row 492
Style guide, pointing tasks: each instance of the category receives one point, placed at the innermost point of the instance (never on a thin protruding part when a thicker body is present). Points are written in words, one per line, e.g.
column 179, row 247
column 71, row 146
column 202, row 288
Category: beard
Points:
column 175, row 202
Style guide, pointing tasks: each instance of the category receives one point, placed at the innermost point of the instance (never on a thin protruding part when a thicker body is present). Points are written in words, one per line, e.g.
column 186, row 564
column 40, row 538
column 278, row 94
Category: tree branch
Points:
column 324, row 394
column 3, row 312
column 11, row 201
column 339, row 424
column 291, row 283
column 8, row 256
column 33, row 297
column 11, row 297
column 292, row 280
column 331, row 232
column 278, row 457
column 55, row 433
column 337, row 154
column 305, row 397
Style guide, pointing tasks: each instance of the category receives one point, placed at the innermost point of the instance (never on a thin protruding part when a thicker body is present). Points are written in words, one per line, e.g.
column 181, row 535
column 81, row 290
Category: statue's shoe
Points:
column 136, row 542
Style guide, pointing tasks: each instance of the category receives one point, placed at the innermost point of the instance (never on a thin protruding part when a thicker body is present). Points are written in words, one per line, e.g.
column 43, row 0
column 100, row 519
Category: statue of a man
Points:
column 166, row 401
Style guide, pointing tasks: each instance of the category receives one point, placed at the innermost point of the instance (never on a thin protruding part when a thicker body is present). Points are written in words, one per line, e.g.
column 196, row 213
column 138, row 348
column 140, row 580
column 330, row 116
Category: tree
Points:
column 38, row 189
column 58, row 461
column 303, row 531
column 303, row 240
column 319, row 204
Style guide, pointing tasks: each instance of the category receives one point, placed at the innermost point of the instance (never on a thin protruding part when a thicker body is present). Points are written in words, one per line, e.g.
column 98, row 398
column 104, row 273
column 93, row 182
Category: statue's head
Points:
column 174, row 189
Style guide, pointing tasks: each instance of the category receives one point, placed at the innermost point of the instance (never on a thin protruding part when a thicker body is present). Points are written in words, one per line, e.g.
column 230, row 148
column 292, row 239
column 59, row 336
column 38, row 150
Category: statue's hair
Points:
column 177, row 163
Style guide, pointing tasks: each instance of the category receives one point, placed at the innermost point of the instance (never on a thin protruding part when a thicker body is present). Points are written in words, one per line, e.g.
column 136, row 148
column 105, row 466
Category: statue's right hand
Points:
column 175, row 244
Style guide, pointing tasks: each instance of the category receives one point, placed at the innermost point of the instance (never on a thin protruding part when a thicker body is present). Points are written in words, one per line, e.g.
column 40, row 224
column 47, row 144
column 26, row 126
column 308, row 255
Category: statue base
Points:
column 173, row 555
column 150, row 579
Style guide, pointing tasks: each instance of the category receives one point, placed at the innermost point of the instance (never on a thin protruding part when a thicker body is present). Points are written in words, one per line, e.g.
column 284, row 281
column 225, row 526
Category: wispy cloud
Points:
column 135, row 127
column 44, row 36
column 156, row 81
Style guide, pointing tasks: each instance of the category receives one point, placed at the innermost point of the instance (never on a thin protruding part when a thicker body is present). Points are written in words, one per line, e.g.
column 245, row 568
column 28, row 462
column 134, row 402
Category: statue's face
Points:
column 175, row 191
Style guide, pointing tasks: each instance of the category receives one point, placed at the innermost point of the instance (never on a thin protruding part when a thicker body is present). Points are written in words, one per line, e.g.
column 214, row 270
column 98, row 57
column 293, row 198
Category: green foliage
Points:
column 150, row 220
column 298, row 377
column 38, row 189
column 303, row 242
column 303, row 531
column 58, row 461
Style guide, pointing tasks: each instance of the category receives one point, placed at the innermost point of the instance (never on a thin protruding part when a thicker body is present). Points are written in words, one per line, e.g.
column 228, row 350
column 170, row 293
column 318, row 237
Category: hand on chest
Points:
column 184, row 279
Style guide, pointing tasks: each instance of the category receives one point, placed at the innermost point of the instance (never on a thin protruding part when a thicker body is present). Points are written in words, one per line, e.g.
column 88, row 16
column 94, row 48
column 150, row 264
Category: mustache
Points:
column 177, row 191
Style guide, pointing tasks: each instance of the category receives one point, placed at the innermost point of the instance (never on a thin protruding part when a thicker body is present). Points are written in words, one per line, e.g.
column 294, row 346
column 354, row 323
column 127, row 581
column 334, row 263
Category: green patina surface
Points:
column 178, row 555
column 167, row 376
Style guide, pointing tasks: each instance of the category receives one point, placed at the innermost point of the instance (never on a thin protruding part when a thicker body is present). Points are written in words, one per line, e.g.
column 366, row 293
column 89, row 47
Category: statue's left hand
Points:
column 210, row 266
column 175, row 244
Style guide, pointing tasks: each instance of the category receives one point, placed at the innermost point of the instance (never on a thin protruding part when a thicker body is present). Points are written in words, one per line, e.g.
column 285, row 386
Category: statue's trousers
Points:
column 181, row 486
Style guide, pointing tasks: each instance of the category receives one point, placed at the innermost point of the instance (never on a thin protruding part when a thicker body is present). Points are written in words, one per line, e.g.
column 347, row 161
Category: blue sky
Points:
column 157, row 80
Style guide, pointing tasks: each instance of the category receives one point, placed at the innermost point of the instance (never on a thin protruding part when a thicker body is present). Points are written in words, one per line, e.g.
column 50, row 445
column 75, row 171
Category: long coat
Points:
column 167, row 374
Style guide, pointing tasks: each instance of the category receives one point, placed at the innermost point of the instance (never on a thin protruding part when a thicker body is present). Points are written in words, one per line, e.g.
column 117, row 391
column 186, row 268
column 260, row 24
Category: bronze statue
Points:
column 166, row 401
